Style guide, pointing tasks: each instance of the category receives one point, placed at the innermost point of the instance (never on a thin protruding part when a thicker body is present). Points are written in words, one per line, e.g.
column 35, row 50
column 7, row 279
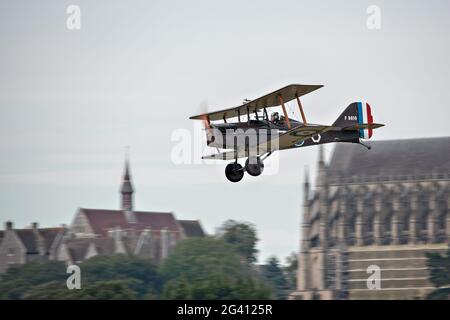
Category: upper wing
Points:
column 288, row 93
column 283, row 141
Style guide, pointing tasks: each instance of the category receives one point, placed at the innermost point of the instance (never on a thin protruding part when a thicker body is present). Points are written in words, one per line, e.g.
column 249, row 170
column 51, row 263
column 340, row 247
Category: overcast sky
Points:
column 71, row 100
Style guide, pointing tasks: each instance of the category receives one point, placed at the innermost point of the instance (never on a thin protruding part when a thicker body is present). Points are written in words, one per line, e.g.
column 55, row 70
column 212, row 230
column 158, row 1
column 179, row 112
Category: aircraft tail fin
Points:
column 358, row 116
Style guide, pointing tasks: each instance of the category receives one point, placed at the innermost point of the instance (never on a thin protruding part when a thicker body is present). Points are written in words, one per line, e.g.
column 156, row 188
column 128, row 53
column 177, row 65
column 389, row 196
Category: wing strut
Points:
column 301, row 110
column 206, row 121
column 280, row 98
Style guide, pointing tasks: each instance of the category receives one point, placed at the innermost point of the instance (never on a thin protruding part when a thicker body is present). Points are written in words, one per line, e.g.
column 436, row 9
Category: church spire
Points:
column 321, row 156
column 306, row 186
column 126, row 189
column 321, row 168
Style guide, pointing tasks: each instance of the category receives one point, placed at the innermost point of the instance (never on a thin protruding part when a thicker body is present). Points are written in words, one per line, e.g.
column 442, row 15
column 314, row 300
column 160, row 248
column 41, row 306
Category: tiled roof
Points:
column 77, row 248
column 28, row 239
column 156, row 220
column 192, row 228
column 49, row 236
column 104, row 245
column 103, row 220
column 390, row 158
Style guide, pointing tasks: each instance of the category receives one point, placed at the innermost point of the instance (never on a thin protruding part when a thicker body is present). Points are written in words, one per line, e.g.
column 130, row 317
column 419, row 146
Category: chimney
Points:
column 8, row 225
column 34, row 225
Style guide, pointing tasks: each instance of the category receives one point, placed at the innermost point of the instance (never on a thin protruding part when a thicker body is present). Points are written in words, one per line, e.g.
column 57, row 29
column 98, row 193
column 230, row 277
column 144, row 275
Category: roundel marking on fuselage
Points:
column 302, row 133
column 317, row 138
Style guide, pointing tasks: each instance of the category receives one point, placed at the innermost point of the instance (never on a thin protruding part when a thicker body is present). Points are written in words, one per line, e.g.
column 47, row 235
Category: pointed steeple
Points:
column 126, row 175
column 321, row 168
column 321, row 161
column 126, row 189
column 306, row 189
column 306, row 178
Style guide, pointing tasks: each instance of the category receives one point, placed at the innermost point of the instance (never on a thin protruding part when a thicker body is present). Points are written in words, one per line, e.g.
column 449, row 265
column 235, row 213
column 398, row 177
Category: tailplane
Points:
column 358, row 117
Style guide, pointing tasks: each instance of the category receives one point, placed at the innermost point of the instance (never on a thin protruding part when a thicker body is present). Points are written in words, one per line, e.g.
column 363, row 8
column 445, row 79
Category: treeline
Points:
column 439, row 266
column 216, row 267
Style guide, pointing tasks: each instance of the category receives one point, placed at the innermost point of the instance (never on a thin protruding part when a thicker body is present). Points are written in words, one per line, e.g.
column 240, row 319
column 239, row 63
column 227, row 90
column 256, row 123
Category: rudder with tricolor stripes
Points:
column 356, row 115
column 365, row 117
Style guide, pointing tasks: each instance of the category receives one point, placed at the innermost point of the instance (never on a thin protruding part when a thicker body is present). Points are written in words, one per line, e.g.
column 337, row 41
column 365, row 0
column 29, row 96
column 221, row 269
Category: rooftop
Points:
column 391, row 159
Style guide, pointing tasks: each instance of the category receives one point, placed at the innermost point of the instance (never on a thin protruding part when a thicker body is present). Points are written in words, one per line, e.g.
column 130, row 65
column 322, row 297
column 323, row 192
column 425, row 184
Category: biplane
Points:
column 247, row 131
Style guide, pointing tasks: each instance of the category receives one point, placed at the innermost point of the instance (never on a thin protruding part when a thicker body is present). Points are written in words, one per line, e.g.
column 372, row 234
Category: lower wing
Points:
column 299, row 134
column 283, row 141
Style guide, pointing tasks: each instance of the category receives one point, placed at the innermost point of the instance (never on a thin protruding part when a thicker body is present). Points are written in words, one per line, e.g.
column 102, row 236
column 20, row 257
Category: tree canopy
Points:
column 219, row 267
column 439, row 266
column 209, row 268
column 242, row 236
column 140, row 274
column 198, row 268
column 291, row 270
column 19, row 279
column 275, row 276
column 102, row 277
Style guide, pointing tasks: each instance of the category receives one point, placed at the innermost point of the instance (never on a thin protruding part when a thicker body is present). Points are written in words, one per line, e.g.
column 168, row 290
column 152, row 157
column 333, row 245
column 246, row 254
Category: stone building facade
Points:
column 141, row 233
column 382, row 209
column 33, row 244
column 147, row 234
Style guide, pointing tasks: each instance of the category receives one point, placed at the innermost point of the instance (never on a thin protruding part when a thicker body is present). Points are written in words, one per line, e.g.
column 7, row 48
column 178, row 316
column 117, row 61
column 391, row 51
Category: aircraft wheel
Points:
column 254, row 166
column 234, row 172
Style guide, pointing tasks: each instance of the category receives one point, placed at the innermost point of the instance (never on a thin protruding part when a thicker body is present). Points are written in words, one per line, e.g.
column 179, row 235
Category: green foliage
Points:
column 242, row 236
column 102, row 277
column 118, row 267
column 53, row 290
column 196, row 257
column 439, row 275
column 439, row 294
column 99, row 290
column 290, row 270
column 208, row 268
column 110, row 290
column 216, row 287
column 19, row 279
column 198, row 268
column 275, row 276
column 439, row 268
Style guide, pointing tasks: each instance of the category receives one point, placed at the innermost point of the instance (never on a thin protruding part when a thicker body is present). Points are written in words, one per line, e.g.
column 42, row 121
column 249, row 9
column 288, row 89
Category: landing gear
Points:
column 234, row 172
column 254, row 166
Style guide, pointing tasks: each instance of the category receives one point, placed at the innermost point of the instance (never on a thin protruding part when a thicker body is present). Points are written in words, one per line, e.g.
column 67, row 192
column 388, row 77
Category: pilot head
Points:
column 275, row 117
